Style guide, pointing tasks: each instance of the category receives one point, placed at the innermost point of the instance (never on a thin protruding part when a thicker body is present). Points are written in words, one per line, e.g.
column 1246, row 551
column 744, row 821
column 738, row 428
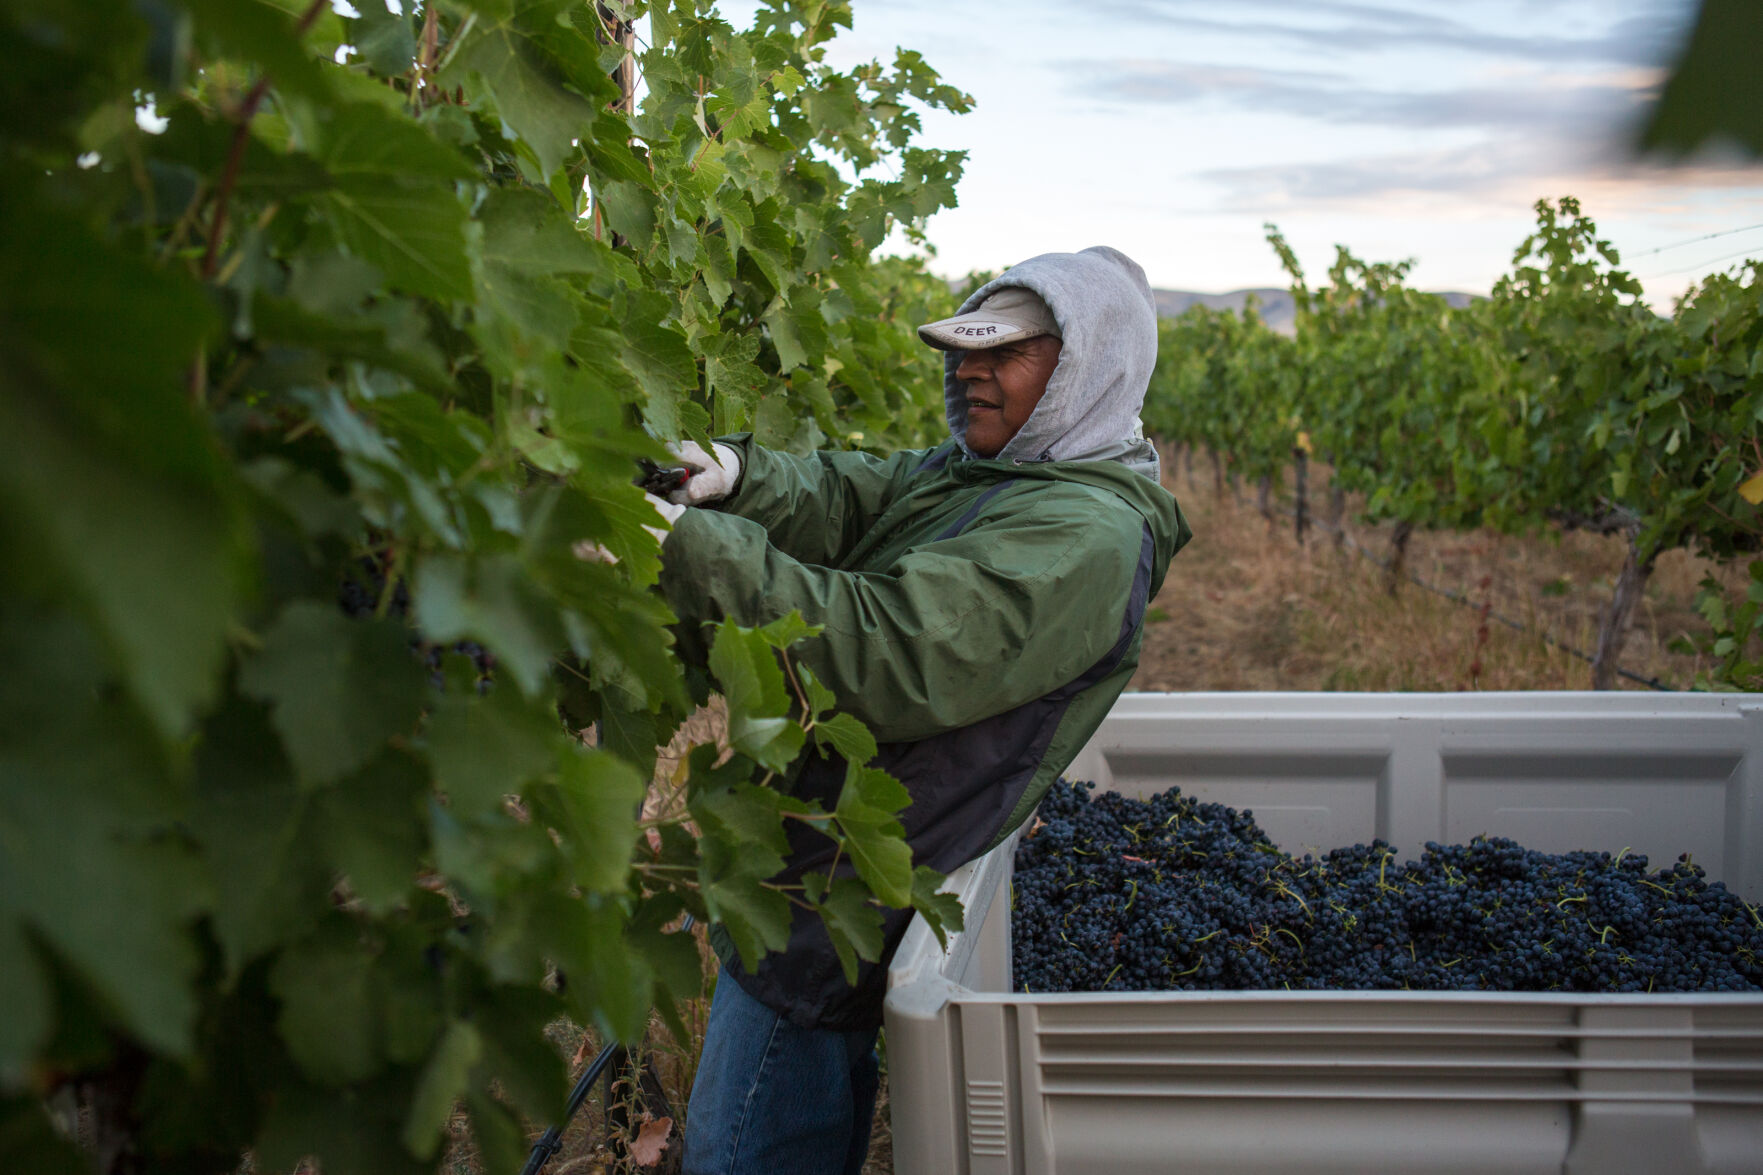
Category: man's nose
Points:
column 972, row 366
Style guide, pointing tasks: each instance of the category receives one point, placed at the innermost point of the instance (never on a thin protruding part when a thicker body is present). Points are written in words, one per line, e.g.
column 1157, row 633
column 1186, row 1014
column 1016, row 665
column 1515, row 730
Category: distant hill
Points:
column 1277, row 309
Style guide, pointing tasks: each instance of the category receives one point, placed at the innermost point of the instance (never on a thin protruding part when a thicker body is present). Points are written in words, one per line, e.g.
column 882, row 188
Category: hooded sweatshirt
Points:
column 980, row 616
column 1108, row 317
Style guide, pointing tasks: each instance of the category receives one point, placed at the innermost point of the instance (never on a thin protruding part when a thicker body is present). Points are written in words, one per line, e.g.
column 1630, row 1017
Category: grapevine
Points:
column 1560, row 400
column 336, row 668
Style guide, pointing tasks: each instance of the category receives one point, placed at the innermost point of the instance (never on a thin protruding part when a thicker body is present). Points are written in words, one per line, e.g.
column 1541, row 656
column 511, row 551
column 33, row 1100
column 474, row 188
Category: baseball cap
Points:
column 1012, row 313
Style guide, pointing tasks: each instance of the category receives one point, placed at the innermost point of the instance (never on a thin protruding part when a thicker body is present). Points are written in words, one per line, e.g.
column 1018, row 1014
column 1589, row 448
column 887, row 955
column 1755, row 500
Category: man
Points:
column 982, row 603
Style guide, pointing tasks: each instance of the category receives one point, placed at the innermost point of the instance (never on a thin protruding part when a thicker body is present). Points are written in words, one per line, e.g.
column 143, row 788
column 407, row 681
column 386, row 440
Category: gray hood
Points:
column 1091, row 408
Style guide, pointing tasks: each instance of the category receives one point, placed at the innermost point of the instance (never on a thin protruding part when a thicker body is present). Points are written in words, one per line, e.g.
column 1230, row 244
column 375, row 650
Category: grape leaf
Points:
column 498, row 1134
column 339, row 687
column 330, row 1014
column 529, row 95
column 383, row 38
column 119, row 492
column 261, row 34
column 527, row 232
column 754, row 919
column 494, row 603
column 866, row 814
column 415, row 235
column 485, row 748
column 847, row 735
column 352, row 1131
column 852, row 923
column 748, row 817
column 442, row 1083
column 84, row 802
column 254, row 827
column 759, row 726
column 374, row 829
column 941, row 911
column 599, row 796
column 24, row 991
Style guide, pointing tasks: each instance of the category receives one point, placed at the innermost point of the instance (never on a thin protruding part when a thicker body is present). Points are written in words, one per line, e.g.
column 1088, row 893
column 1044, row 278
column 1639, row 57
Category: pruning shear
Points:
column 662, row 480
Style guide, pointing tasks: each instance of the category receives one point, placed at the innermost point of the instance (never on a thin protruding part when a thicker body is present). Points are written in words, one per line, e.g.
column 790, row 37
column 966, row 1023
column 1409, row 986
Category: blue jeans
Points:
column 774, row 1099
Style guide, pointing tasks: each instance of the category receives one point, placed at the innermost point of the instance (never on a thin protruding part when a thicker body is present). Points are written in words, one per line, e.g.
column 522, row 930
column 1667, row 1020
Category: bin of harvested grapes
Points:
column 1345, row 933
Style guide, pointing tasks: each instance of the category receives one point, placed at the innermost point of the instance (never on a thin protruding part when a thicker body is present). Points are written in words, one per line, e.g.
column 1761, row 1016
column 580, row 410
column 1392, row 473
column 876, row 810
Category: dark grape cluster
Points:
column 1170, row 894
column 358, row 595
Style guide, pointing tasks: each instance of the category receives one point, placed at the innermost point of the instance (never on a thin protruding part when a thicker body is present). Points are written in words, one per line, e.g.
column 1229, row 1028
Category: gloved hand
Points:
column 717, row 472
column 667, row 510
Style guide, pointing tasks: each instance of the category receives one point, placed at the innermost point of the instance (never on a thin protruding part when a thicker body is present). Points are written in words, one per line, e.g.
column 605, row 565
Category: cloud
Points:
column 1543, row 106
column 1645, row 37
column 1490, row 174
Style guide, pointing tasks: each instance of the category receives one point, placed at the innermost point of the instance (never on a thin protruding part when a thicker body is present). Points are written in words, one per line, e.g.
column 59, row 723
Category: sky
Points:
column 1175, row 129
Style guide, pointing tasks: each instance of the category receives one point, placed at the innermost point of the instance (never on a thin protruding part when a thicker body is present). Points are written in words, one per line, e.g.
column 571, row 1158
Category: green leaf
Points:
column 629, row 209
column 339, row 687
column 330, row 1014
column 787, row 630
column 374, row 829
column 528, row 232
column 493, row 602
column 256, row 829
column 759, row 725
column 499, row 1135
column 941, row 911
column 85, row 809
column 671, row 955
column 383, row 38
column 25, row 993
column 443, row 1082
column 108, row 482
column 846, row 735
column 746, row 820
column 729, row 369
column 629, row 730
column 1713, row 91
column 755, row 919
column 608, row 982
column 659, row 357
column 342, row 330
column 528, row 92
column 415, row 235
column 264, row 35
column 820, row 699
column 393, row 202
column 599, row 796
column 853, row 923
column 363, row 141
column 866, row 814
column 485, row 748
column 351, row 1131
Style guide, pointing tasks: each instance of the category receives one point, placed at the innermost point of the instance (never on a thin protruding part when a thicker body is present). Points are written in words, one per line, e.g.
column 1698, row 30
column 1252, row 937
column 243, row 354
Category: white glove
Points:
column 715, row 476
column 668, row 510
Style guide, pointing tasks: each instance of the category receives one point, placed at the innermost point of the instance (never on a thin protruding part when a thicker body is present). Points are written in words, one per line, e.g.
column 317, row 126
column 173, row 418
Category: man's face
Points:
column 1003, row 386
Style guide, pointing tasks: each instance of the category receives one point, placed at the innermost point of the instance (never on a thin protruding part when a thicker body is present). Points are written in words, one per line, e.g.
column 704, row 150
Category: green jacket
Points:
column 980, row 617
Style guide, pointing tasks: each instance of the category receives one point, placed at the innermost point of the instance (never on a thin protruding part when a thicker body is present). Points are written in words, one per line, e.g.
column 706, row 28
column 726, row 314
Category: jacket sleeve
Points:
column 1020, row 603
column 815, row 508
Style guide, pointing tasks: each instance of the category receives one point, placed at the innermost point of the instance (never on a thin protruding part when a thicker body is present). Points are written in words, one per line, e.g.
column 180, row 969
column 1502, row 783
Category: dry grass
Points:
column 1245, row 607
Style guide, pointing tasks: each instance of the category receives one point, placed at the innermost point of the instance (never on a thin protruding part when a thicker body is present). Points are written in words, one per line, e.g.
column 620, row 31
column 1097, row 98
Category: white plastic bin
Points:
column 983, row 1080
